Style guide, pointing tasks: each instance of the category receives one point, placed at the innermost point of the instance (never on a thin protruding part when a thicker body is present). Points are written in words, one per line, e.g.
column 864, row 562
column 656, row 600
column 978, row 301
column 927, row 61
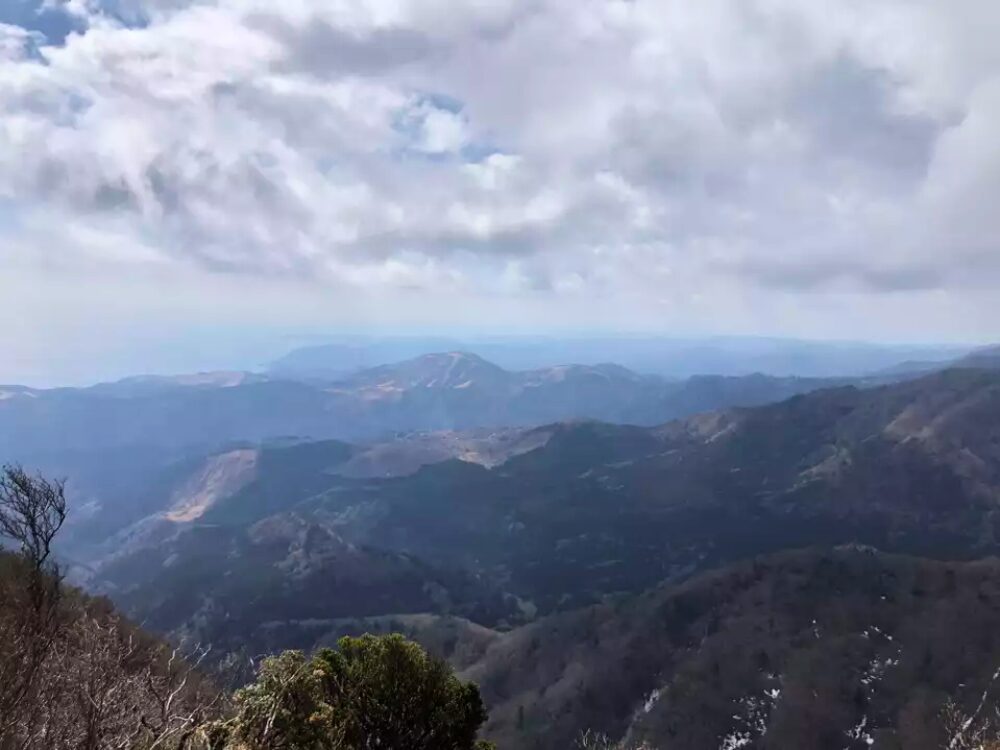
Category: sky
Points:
column 191, row 183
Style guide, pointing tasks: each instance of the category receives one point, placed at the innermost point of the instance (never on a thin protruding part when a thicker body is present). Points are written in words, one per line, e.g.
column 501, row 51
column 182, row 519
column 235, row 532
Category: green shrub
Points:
column 383, row 692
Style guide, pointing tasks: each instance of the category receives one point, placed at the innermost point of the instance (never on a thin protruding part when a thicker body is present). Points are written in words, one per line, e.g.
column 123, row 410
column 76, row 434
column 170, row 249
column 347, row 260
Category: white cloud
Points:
column 553, row 149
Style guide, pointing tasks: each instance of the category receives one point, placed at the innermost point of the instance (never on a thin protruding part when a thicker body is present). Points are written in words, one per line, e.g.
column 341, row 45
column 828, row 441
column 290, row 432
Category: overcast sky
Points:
column 184, row 181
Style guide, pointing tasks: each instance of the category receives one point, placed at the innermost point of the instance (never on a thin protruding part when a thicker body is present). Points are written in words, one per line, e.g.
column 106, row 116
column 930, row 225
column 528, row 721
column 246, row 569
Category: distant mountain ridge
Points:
column 673, row 357
column 450, row 391
column 987, row 357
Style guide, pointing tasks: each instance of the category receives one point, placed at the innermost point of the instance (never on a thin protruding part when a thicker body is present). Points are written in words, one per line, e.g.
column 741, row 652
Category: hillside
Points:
column 249, row 589
column 845, row 648
column 75, row 673
column 126, row 496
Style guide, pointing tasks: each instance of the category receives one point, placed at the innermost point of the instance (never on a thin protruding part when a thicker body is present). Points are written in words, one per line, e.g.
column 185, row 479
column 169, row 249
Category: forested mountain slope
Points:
column 813, row 649
column 592, row 511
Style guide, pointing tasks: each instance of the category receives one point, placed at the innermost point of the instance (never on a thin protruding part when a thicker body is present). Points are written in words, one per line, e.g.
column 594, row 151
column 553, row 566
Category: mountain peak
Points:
column 455, row 370
column 452, row 357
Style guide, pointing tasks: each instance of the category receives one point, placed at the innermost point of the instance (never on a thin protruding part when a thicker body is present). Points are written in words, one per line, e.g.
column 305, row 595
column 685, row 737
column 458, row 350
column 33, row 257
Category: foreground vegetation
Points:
column 74, row 674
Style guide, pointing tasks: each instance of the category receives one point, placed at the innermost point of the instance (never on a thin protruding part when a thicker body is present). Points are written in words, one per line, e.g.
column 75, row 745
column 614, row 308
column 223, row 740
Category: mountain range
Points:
column 671, row 357
column 602, row 508
column 432, row 392
column 290, row 544
column 121, row 444
column 635, row 579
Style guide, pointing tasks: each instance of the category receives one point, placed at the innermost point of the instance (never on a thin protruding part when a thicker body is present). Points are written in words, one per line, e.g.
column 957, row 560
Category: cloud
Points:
column 552, row 149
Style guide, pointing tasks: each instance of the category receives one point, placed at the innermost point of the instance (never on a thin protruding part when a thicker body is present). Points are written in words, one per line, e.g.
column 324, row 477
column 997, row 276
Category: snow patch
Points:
column 870, row 679
column 753, row 717
column 858, row 732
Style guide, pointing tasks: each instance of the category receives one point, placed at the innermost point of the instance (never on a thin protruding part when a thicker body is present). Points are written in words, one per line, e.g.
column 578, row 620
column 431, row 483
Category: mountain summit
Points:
column 456, row 370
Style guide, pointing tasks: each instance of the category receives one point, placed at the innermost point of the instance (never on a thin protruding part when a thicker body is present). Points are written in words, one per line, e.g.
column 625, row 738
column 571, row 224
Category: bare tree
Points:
column 107, row 687
column 591, row 740
column 32, row 510
column 73, row 674
column 979, row 730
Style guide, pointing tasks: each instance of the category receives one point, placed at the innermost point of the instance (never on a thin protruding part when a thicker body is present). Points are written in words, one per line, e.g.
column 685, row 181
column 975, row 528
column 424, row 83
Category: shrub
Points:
column 369, row 692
